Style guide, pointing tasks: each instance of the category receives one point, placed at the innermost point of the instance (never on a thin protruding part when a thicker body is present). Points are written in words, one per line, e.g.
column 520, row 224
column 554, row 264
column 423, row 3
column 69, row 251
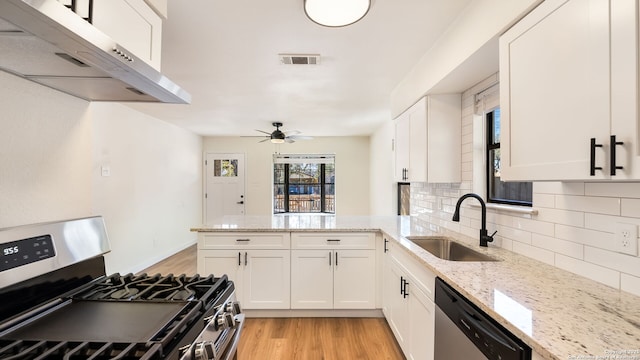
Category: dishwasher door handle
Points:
column 477, row 326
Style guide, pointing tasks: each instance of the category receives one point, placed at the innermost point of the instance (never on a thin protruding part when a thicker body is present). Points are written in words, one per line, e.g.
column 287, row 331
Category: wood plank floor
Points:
column 300, row 338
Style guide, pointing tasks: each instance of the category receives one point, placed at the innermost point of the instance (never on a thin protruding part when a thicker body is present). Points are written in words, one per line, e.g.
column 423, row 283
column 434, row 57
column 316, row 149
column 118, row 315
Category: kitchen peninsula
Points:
column 560, row 315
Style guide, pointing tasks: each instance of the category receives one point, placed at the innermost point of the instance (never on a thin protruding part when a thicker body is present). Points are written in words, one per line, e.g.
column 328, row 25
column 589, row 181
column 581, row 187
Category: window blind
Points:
column 304, row 159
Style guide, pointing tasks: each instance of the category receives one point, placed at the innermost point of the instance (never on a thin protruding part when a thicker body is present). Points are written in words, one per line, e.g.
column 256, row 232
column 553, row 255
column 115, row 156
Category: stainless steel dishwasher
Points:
column 462, row 331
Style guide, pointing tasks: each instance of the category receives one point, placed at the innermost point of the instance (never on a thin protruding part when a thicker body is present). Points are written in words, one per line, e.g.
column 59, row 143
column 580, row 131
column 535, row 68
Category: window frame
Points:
column 490, row 145
column 287, row 184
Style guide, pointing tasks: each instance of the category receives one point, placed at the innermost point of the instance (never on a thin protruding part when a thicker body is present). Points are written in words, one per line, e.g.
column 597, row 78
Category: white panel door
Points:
column 312, row 279
column 354, row 279
column 225, row 184
column 422, row 325
column 266, row 279
column 221, row 262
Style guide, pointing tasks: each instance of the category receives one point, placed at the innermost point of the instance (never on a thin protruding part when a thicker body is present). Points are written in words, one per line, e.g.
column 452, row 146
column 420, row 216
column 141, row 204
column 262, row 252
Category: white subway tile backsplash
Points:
column 598, row 205
column 592, row 271
column 537, row 253
column 628, row 190
column 612, row 260
column 538, row 227
column 630, row 283
column 606, row 222
column 564, row 247
column 573, row 218
column 544, row 200
column 514, row 234
column 558, row 188
column 599, row 239
column 630, row 208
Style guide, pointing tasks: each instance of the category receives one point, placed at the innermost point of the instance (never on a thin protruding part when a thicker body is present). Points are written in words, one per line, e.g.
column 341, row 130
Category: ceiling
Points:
column 225, row 53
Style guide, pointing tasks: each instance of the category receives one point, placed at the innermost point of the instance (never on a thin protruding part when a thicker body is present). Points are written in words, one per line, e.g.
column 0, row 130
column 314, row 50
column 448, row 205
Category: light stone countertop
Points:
column 559, row 314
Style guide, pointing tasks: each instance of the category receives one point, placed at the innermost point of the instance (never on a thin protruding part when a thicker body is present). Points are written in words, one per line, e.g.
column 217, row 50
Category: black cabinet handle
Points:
column 404, row 290
column 245, row 258
column 243, row 240
column 336, row 258
column 239, row 261
column 329, row 258
column 385, row 245
column 613, row 165
column 401, row 285
column 333, row 240
column 593, row 166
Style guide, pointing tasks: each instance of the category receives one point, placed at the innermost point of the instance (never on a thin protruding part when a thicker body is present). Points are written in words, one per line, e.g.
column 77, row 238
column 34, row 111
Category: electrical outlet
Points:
column 627, row 238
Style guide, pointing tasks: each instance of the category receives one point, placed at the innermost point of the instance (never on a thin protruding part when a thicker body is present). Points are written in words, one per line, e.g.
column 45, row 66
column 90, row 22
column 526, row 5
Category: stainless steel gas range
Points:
column 58, row 303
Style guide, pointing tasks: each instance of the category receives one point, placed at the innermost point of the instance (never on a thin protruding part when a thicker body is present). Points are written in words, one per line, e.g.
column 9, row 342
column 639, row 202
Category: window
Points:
column 303, row 184
column 514, row 193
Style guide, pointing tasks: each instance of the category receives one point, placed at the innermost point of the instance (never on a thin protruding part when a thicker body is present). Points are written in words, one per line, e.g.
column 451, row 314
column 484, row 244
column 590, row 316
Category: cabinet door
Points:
column 554, row 91
column 354, row 282
column 312, row 279
column 220, row 262
column 421, row 325
column 133, row 24
column 418, row 142
column 397, row 308
column 266, row 279
column 402, row 146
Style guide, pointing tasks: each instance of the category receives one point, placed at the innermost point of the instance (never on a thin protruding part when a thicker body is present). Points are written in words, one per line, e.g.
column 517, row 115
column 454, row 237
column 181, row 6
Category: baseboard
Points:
column 284, row 313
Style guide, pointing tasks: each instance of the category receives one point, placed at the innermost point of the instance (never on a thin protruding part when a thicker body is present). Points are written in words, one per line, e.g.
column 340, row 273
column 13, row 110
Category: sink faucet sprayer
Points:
column 484, row 238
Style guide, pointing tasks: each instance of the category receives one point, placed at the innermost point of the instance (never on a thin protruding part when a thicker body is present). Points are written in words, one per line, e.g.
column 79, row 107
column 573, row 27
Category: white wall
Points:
column 352, row 169
column 51, row 149
column 479, row 24
column 153, row 195
column 45, row 157
column 383, row 186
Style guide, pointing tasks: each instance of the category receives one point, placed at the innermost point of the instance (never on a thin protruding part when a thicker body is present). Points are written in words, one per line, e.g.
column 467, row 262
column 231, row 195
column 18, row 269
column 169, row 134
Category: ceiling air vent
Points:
column 299, row 59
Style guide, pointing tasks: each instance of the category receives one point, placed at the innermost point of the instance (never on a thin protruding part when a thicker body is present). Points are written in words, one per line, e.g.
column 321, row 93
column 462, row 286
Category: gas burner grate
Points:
column 158, row 288
column 72, row 350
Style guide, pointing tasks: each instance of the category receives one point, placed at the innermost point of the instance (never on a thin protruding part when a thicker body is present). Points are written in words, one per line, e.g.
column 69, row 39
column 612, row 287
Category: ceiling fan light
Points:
column 277, row 141
column 336, row 13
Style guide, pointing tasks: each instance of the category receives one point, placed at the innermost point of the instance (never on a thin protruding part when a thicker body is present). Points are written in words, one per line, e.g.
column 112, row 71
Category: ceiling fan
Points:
column 279, row 137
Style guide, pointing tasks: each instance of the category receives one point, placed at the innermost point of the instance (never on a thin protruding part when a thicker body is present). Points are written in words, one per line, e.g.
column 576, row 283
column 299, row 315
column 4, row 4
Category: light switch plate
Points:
column 105, row 170
column 626, row 238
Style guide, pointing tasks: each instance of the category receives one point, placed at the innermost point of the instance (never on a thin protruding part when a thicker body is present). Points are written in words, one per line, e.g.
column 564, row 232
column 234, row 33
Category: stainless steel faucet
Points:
column 484, row 237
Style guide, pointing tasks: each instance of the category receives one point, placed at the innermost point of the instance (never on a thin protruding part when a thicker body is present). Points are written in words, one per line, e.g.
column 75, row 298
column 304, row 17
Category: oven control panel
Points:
column 21, row 252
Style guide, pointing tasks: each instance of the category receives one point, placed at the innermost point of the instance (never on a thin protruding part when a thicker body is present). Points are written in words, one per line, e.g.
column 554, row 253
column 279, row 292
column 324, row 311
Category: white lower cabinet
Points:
column 407, row 307
column 259, row 264
column 333, row 271
column 261, row 277
column 333, row 279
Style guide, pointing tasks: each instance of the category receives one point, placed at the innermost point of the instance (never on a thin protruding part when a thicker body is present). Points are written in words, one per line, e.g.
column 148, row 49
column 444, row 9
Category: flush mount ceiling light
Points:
column 336, row 13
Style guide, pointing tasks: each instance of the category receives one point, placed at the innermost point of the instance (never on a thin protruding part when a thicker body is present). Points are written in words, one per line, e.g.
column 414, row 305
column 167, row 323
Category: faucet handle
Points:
column 491, row 236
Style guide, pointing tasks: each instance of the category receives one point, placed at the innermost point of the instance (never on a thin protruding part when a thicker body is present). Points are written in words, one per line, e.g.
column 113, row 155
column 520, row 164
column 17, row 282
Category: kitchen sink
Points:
column 447, row 249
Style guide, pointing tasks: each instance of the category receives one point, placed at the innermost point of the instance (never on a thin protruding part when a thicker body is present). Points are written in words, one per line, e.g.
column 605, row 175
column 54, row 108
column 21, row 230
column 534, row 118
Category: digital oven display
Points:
column 25, row 251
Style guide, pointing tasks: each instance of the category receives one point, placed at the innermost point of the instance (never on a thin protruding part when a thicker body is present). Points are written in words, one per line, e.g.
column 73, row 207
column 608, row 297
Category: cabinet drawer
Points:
column 333, row 241
column 235, row 240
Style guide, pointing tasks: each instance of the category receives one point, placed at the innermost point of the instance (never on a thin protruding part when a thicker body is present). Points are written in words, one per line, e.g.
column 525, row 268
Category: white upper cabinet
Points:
column 427, row 141
column 132, row 24
column 568, row 84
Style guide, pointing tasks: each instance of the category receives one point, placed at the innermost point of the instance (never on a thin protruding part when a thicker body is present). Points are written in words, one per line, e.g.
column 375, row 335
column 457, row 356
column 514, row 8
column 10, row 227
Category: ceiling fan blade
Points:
column 261, row 141
column 289, row 140
column 264, row 132
column 292, row 132
column 300, row 137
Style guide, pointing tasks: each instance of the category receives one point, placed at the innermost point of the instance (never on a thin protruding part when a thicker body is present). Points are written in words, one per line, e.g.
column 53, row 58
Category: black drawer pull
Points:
column 243, row 240
column 613, row 165
column 593, row 166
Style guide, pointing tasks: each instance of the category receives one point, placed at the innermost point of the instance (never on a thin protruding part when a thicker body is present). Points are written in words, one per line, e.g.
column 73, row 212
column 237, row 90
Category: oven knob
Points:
column 233, row 308
column 205, row 350
column 224, row 321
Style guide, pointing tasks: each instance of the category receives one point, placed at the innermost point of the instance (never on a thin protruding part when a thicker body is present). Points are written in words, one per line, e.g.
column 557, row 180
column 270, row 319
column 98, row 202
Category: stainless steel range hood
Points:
column 43, row 41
